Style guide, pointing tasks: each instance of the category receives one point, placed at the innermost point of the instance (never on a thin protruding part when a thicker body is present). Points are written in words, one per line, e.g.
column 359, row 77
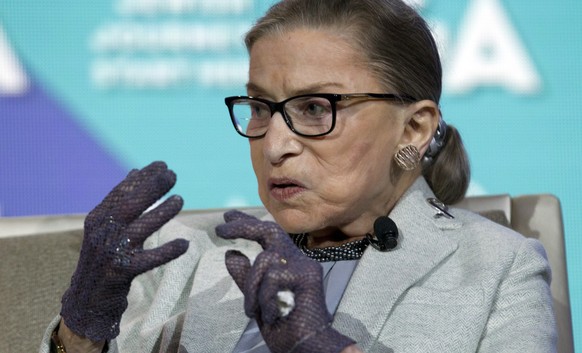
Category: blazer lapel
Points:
column 382, row 277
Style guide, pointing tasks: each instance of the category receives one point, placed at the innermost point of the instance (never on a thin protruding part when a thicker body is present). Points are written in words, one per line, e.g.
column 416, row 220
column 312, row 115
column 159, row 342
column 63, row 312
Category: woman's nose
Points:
column 279, row 141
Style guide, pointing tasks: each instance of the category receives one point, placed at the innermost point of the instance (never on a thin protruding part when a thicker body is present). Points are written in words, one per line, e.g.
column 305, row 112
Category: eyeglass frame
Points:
column 333, row 98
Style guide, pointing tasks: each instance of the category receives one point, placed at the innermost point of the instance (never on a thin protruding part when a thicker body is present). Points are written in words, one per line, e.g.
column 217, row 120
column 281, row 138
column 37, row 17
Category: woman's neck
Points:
column 335, row 238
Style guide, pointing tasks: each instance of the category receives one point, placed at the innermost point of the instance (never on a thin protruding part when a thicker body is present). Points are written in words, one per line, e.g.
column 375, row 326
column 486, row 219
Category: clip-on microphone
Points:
column 386, row 233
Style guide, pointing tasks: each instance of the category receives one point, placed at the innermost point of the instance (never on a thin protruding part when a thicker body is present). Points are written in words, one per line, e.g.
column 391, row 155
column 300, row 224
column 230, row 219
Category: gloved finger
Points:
column 267, row 234
column 238, row 265
column 144, row 195
column 263, row 263
column 150, row 259
column 120, row 188
column 133, row 178
column 276, row 280
column 236, row 215
column 153, row 220
column 97, row 215
column 301, row 276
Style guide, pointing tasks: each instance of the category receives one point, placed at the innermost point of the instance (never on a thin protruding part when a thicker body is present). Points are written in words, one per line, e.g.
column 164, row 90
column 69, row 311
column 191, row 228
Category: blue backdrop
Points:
column 91, row 89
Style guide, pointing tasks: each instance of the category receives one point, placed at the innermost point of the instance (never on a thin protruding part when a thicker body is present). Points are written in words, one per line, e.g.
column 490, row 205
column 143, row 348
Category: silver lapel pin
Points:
column 441, row 208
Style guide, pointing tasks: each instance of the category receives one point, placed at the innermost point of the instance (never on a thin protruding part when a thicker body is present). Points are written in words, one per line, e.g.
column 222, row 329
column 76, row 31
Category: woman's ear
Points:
column 421, row 124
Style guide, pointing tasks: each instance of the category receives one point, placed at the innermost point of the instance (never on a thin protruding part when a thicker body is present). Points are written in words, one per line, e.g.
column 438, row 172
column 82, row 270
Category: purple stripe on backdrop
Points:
column 49, row 163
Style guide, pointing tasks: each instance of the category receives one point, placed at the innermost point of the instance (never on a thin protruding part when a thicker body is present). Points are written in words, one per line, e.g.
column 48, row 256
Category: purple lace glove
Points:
column 280, row 268
column 112, row 253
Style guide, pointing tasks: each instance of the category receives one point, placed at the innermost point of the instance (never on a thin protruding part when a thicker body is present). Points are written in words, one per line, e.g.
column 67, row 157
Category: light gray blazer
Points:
column 452, row 285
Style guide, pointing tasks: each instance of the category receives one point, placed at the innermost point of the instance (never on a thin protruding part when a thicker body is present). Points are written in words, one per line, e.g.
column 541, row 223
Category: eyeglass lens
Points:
column 308, row 116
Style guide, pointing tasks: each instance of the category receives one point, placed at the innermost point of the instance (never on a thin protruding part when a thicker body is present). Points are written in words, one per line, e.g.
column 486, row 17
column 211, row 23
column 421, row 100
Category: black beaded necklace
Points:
column 347, row 251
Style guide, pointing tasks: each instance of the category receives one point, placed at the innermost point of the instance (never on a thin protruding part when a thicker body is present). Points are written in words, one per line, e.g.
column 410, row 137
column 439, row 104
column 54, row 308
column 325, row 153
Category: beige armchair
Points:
column 540, row 217
column 39, row 254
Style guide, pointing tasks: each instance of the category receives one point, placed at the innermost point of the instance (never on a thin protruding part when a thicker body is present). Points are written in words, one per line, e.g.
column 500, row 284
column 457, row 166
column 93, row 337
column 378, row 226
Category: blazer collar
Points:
column 382, row 277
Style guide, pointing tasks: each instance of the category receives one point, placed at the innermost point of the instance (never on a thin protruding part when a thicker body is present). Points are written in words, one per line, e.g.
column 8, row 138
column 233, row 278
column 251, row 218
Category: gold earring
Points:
column 407, row 158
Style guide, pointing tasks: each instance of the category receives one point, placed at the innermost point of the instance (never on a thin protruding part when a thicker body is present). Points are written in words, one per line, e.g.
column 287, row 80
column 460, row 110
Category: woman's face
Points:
column 338, row 182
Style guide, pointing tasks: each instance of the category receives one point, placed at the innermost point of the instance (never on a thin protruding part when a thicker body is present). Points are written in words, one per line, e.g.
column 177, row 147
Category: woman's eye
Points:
column 315, row 109
column 258, row 110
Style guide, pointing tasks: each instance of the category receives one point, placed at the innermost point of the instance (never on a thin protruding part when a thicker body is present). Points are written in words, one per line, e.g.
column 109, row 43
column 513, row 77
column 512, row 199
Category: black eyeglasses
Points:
column 308, row 115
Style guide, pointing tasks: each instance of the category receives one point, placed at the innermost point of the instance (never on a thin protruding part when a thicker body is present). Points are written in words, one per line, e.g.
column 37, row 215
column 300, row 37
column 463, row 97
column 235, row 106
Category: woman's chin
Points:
column 292, row 221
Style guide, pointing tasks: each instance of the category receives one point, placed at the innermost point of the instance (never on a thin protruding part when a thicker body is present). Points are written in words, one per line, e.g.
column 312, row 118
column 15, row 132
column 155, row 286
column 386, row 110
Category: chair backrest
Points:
column 539, row 217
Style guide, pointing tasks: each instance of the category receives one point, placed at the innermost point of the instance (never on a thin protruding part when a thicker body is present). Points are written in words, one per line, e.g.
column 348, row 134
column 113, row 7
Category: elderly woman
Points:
column 355, row 166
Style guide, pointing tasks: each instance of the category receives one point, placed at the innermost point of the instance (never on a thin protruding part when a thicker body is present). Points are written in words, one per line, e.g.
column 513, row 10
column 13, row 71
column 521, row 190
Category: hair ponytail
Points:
column 449, row 173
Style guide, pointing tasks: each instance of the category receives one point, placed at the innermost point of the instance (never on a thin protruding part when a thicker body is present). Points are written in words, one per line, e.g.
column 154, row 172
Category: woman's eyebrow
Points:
column 251, row 87
column 318, row 87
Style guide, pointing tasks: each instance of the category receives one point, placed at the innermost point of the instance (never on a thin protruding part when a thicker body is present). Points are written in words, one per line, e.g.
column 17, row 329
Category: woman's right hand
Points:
column 112, row 254
column 283, row 289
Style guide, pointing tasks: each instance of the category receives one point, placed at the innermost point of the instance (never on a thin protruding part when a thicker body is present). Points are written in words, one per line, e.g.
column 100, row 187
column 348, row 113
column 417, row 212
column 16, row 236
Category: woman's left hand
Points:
column 280, row 268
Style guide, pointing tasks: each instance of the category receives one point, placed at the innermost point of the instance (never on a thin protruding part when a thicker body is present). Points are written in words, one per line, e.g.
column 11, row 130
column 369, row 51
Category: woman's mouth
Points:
column 283, row 189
